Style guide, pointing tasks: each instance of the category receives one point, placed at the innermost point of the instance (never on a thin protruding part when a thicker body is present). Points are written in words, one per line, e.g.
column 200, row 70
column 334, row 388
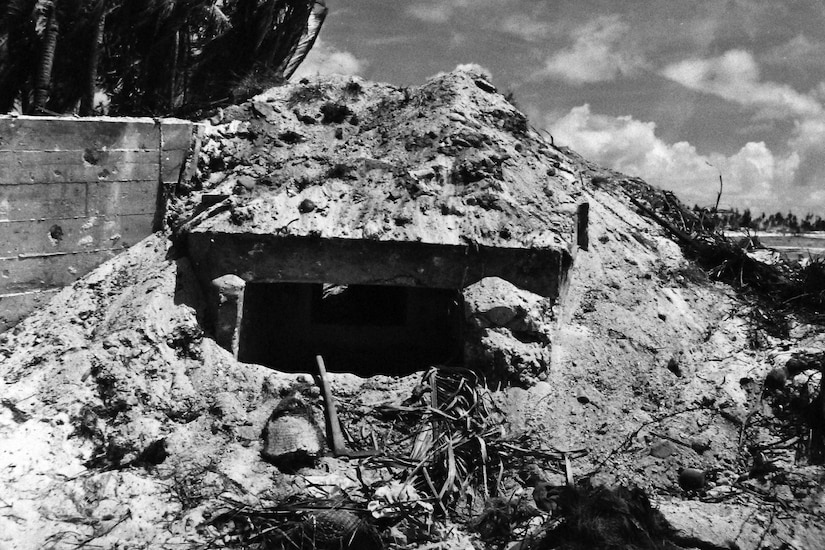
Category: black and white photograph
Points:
column 422, row 275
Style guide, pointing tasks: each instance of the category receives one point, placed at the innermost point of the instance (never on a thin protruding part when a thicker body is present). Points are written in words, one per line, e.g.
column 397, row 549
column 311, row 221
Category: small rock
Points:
column 291, row 137
column 500, row 315
column 306, row 119
column 264, row 110
column 240, row 215
column 674, row 367
column 777, row 378
column 700, row 445
column 662, row 449
column 155, row 453
column 691, row 479
column 486, row 86
column 247, row 182
column 783, row 492
column 306, row 206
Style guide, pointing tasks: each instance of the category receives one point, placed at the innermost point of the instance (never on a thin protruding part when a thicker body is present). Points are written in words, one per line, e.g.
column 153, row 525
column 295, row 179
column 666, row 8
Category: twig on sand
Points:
column 632, row 435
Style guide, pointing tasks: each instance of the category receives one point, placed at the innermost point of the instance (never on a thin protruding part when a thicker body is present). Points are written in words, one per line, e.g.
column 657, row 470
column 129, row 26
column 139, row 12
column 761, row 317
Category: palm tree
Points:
column 177, row 56
column 97, row 22
column 18, row 46
column 266, row 41
column 47, row 9
column 151, row 57
column 44, row 47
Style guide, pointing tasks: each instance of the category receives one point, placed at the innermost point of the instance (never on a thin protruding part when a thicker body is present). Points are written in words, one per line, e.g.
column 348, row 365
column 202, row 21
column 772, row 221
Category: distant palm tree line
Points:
column 149, row 57
column 734, row 220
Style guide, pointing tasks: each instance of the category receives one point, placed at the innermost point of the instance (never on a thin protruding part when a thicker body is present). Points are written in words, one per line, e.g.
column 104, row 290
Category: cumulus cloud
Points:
column 601, row 51
column 754, row 177
column 473, row 68
column 431, row 13
column 735, row 76
column 799, row 52
column 325, row 59
column 441, row 11
column 525, row 27
column 796, row 174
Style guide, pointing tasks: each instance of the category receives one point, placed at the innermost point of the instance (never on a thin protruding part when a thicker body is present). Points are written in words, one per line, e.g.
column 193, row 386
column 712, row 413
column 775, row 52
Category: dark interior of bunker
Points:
column 363, row 329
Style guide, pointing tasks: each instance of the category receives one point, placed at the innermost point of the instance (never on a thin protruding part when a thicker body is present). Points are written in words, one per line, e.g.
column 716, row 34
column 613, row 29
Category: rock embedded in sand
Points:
column 662, row 449
column 692, row 479
column 291, row 436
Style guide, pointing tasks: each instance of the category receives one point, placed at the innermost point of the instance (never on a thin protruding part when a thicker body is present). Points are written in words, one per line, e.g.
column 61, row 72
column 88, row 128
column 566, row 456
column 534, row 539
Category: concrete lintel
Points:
column 270, row 258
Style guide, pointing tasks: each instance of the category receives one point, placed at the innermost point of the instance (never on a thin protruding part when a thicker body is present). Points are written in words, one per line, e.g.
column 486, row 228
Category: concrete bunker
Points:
column 369, row 307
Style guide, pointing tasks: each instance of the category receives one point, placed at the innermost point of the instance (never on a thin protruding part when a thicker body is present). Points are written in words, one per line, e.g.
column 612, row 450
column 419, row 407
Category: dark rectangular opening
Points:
column 363, row 329
column 359, row 305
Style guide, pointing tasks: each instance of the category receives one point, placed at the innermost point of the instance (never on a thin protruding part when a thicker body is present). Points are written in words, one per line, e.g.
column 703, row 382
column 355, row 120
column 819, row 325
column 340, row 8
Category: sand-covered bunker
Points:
column 356, row 236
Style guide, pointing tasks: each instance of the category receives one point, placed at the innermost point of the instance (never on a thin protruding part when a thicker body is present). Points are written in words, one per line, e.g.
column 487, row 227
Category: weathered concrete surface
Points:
column 73, row 193
column 227, row 301
column 272, row 258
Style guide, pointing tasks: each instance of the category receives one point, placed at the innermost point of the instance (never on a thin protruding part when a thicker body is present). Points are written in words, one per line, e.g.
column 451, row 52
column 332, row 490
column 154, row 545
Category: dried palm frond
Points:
column 298, row 523
column 455, row 419
column 458, row 445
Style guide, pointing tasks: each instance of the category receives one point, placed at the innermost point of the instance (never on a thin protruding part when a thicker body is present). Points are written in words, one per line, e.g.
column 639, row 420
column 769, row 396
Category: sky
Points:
column 675, row 92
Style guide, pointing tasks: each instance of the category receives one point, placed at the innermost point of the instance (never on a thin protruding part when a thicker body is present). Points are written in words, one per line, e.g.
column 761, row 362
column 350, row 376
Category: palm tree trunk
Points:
column 87, row 101
column 184, row 62
column 44, row 73
column 173, row 76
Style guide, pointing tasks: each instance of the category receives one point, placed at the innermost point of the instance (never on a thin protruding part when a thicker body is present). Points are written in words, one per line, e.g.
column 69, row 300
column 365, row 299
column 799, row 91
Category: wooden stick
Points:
column 335, row 435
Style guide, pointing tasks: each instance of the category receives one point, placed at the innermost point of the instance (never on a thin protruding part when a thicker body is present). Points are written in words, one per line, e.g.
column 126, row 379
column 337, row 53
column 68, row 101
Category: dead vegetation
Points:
column 455, row 465
column 726, row 260
column 297, row 523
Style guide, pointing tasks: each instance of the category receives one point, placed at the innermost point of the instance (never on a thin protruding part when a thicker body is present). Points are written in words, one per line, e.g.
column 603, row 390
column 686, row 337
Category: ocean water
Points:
column 793, row 246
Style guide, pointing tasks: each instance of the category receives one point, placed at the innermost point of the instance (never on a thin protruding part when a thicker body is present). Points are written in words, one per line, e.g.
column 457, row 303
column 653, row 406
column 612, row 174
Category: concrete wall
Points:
column 73, row 193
